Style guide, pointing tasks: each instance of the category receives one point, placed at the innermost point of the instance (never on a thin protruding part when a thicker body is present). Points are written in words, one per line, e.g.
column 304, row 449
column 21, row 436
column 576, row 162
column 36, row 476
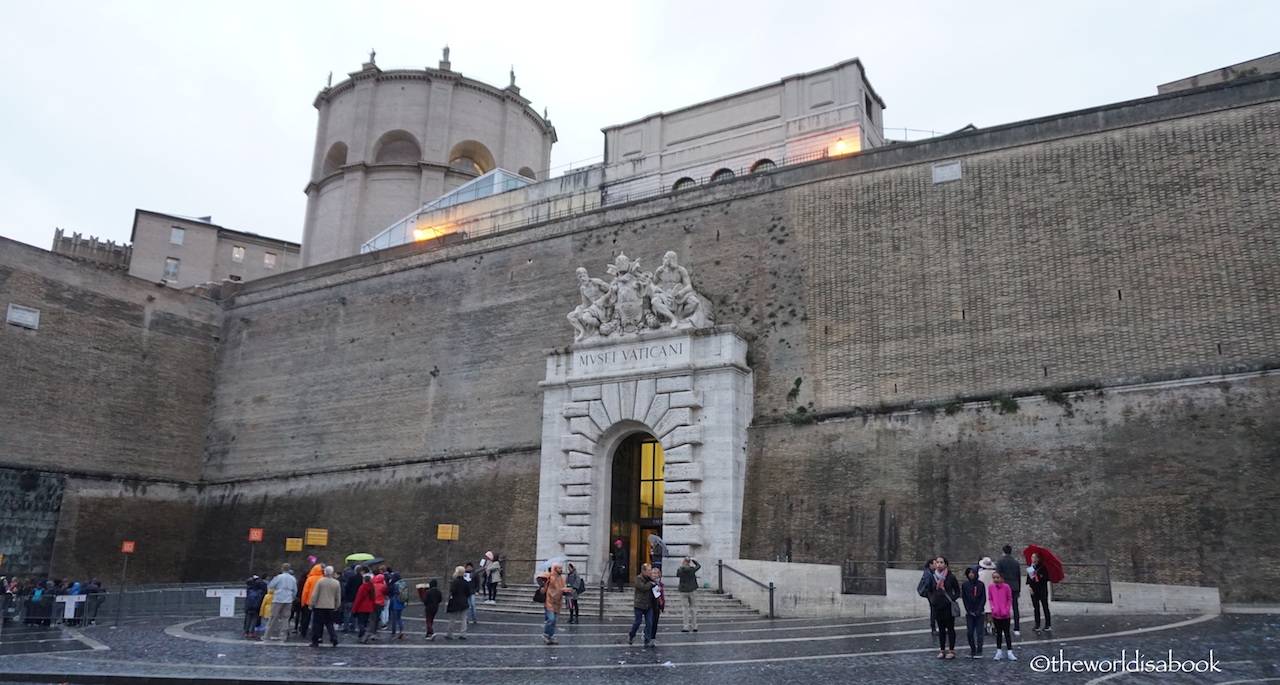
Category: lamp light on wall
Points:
column 844, row 146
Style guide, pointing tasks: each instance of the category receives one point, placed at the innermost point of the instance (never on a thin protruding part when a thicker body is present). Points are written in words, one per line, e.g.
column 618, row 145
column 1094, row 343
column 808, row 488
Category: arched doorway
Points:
column 636, row 497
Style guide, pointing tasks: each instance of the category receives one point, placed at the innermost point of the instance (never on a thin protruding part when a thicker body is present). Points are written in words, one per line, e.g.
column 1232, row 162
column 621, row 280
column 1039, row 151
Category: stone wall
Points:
column 1105, row 247
column 98, row 514
column 1171, row 485
column 1105, row 255
column 862, row 286
column 30, row 501
column 391, row 512
column 116, row 379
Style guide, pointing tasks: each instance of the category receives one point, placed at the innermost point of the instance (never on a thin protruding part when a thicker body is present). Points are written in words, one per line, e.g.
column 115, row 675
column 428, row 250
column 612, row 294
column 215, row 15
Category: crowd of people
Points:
column 988, row 599
column 362, row 599
column 35, row 603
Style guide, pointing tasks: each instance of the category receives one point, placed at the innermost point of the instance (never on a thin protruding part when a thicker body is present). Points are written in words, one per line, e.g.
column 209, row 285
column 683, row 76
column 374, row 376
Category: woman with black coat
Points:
column 459, row 601
column 944, row 590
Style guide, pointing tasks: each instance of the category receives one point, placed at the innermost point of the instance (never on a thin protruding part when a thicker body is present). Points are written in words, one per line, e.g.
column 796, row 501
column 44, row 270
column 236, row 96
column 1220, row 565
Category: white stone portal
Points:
column 689, row 389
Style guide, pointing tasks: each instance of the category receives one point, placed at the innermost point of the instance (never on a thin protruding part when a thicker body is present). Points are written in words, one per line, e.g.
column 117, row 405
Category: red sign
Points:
column 255, row 535
column 126, row 547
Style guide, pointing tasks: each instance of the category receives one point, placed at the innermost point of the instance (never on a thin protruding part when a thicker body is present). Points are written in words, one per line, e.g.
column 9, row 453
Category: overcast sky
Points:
column 205, row 108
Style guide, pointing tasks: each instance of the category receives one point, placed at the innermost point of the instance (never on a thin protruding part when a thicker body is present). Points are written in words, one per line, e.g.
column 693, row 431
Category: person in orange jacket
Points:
column 552, row 580
column 304, row 620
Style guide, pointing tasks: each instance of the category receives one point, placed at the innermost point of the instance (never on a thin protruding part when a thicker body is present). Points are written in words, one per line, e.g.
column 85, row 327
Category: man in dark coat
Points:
column 350, row 586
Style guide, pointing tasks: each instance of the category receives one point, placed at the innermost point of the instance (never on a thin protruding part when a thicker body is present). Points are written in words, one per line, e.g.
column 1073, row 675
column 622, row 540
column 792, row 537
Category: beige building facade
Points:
column 184, row 252
column 388, row 142
column 828, row 112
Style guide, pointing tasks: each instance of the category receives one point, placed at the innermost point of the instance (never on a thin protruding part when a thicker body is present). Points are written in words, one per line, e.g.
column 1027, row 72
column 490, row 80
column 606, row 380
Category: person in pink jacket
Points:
column 1000, row 599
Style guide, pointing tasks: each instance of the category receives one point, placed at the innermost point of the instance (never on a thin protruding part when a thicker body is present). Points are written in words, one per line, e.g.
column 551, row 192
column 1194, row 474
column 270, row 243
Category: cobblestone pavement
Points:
column 508, row 649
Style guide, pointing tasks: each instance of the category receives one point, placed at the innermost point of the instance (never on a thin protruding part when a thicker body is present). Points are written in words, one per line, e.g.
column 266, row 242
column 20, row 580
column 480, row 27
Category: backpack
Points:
column 402, row 592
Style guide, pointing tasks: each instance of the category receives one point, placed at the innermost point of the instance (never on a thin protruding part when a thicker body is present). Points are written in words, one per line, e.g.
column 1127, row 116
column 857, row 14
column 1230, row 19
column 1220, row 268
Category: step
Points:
column 711, row 606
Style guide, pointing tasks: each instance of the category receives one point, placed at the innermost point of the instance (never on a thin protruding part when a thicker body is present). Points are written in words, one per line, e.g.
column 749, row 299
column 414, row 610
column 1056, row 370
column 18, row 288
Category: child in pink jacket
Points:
column 1000, row 599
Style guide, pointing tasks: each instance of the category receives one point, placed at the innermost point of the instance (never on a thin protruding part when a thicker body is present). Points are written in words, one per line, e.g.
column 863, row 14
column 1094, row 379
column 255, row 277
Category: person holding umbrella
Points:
column 657, row 551
column 1042, row 568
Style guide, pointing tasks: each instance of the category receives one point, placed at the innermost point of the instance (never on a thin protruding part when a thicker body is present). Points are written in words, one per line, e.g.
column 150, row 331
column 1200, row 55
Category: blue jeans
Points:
column 647, row 616
column 974, row 630
column 348, row 618
column 549, row 629
column 397, row 621
column 471, row 608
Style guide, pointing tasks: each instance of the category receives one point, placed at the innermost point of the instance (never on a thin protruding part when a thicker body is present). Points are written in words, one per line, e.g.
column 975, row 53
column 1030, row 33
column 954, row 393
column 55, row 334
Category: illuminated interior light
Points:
column 420, row 234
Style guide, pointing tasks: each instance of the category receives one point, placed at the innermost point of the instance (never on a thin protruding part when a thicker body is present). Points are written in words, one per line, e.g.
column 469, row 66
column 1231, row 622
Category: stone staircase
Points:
column 517, row 598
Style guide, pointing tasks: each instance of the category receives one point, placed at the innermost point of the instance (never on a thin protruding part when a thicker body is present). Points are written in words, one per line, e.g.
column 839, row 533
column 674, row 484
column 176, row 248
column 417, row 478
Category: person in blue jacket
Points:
column 974, row 594
column 255, row 590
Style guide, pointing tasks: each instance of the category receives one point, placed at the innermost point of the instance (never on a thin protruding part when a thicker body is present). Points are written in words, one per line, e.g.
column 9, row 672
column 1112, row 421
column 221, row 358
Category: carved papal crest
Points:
column 634, row 300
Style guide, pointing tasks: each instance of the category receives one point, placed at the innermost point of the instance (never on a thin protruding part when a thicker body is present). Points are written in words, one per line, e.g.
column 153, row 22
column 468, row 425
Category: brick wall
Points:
column 1164, row 484
column 115, row 380
column 390, row 512
column 1096, row 256
column 858, row 277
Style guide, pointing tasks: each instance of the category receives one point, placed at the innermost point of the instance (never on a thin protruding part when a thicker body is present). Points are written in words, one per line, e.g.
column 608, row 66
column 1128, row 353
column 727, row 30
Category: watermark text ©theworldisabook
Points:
column 1137, row 662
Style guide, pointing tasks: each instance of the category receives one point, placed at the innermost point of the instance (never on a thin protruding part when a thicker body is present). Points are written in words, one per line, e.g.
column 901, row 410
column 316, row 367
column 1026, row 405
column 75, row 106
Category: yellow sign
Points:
column 317, row 537
column 446, row 531
column 293, row 544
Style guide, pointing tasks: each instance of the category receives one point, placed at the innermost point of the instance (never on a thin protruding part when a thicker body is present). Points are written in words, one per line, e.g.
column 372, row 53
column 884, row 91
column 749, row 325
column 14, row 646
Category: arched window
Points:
column 721, row 175
column 397, row 147
column 684, row 184
column 763, row 166
column 336, row 159
column 472, row 157
column 528, row 173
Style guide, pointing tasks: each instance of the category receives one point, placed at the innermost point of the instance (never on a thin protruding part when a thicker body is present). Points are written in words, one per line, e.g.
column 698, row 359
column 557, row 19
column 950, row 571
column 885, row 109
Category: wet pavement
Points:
column 508, row 649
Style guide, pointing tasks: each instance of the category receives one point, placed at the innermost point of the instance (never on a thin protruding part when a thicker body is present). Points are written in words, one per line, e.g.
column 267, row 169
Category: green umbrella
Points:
column 359, row 556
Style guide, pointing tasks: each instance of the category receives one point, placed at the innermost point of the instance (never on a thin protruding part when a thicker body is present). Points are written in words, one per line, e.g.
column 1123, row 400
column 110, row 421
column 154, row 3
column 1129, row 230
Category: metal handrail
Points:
column 721, row 566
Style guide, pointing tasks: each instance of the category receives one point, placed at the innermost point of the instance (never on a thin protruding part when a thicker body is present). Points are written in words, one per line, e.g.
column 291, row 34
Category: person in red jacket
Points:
column 379, row 601
column 362, row 607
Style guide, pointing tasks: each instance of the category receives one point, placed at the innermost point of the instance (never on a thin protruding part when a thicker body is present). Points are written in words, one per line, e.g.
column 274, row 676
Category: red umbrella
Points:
column 1048, row 562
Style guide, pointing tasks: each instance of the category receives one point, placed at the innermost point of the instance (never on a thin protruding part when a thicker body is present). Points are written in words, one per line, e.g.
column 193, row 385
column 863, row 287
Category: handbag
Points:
column 540, row 595
column 955, row 609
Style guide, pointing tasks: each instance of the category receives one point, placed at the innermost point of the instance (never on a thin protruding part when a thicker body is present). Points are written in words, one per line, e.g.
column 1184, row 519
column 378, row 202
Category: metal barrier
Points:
column 1083, row 583
column 720, row 568
column 863, row 577
column 868, row 577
